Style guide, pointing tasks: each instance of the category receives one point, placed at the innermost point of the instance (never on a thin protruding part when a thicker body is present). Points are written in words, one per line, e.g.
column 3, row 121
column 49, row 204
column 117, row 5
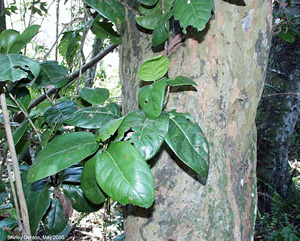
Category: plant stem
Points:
column 24, row 211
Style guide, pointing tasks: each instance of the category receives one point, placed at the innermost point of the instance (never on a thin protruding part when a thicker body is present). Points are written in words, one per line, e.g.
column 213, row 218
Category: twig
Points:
column 25, row 113
column 48, row 97
column 74, row 75
column 276, row 94
column 24, row 211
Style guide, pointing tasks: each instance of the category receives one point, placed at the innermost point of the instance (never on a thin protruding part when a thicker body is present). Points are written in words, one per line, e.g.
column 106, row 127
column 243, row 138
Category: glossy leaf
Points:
column 78, row 200
column 123, row 174
column 95, row 96
column 154, row 68
column 7, row 39
column 14, row 67
column 109, row 128
column 55, row 115
column 6, row 225
column 91, row 117
column 180, row 80
column 24, row 38
column 52, row 75
column 111, row 9
column 147, row 134
column 22, row 95
column 148, row 2
column 151, row 98
column 89, row 184
column 161, row 32
column 104, row 30
column 61, row 153
column 55, row 220
column 37, row 202
column 193, row 12
column 188, row 142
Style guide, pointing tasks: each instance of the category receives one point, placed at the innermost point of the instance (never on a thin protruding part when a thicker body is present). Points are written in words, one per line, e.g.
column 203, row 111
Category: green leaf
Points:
column 151, row 98
column 95, row 96
column 78, row 200
column 15, row 67
column 161, row 32
column 286, row 36
column 55, row 220
column 55, row 115
column 193, row 12
column 109, row 128
column 123, row 174
column 148, row 135
column 148, row 2
column 23, row 97
column 154, row 68
column 104, row 30
column 23, row 39
column 180, row 80
column 188, row 142
column 71, row 174
column 69, row 45
column 5, row 225
column 89, row 183
column 91, row 117
column 7, row 38
column 61, row 153
column 37, row 202
column 52, row 75
column 111, row 9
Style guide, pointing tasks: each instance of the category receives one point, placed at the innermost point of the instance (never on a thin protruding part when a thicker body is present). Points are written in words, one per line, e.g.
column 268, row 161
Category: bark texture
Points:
column 228, row 61
column 278, row 112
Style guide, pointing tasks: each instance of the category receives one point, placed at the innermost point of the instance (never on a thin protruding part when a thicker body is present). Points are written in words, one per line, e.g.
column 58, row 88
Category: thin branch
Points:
column 278, row 94
column 74, row 75
column 24, row 210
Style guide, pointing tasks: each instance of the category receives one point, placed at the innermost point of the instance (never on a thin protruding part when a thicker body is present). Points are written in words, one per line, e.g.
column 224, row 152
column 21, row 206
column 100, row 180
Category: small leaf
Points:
column 23, row 39
column 89, row 183
column 78, row 200
column 104, row 30
column 23, row 97
column 193, row 12
column 95, row 96
column 161, row 32
column 52, row 75
column 110, row 9
column 286, row 36
column 91, row 117
column 148, row 135
column 109, row 128
column 187, row 141
column 180, row 80
column 154, row 68
column 55, row 115
column 14, row 67
column 123, row 174
column 151, row 98
column 55, row 220
column 148, row 2
column 61, row 153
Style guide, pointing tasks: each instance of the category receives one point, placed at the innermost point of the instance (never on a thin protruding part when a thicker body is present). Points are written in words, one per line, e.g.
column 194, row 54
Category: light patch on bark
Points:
column 247, row 21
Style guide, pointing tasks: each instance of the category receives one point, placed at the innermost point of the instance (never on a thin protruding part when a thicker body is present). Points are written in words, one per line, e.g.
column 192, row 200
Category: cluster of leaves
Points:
column 87, row 150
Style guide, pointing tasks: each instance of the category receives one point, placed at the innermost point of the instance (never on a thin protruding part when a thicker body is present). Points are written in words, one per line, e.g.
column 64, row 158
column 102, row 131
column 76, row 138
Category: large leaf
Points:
column 78, row 200
column 151, row 98
column 148, row 135
column 104, row 30
column 161, row 32
column 111, row 9
column 180, row 80
column 61, row 153
column 154, row 68
column 148, row 2
column 109, row 128
column 123, row 174
column 52, row 75
column 89, row 184
column 71, row 174
column 7, row 39
column 95, row 96
column 187, row 141
column 24, row 38
column 14, row 67
column 55, row 115
column 55, row 220
column 193, row 12
column 37, row 202
column 91, row 117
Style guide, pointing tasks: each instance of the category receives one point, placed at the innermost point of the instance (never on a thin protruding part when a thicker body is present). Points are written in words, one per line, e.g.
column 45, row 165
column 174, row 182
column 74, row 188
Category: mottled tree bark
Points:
column 278, row 114
column 228, row 62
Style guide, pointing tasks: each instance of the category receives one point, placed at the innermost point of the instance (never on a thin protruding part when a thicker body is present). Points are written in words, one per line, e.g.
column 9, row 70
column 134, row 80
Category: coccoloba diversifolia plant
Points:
column 107, row 153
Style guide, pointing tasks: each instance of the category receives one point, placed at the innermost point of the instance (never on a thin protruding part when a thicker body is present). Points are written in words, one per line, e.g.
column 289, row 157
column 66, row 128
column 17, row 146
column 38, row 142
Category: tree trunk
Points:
column 278, row 113
column 228, row 62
